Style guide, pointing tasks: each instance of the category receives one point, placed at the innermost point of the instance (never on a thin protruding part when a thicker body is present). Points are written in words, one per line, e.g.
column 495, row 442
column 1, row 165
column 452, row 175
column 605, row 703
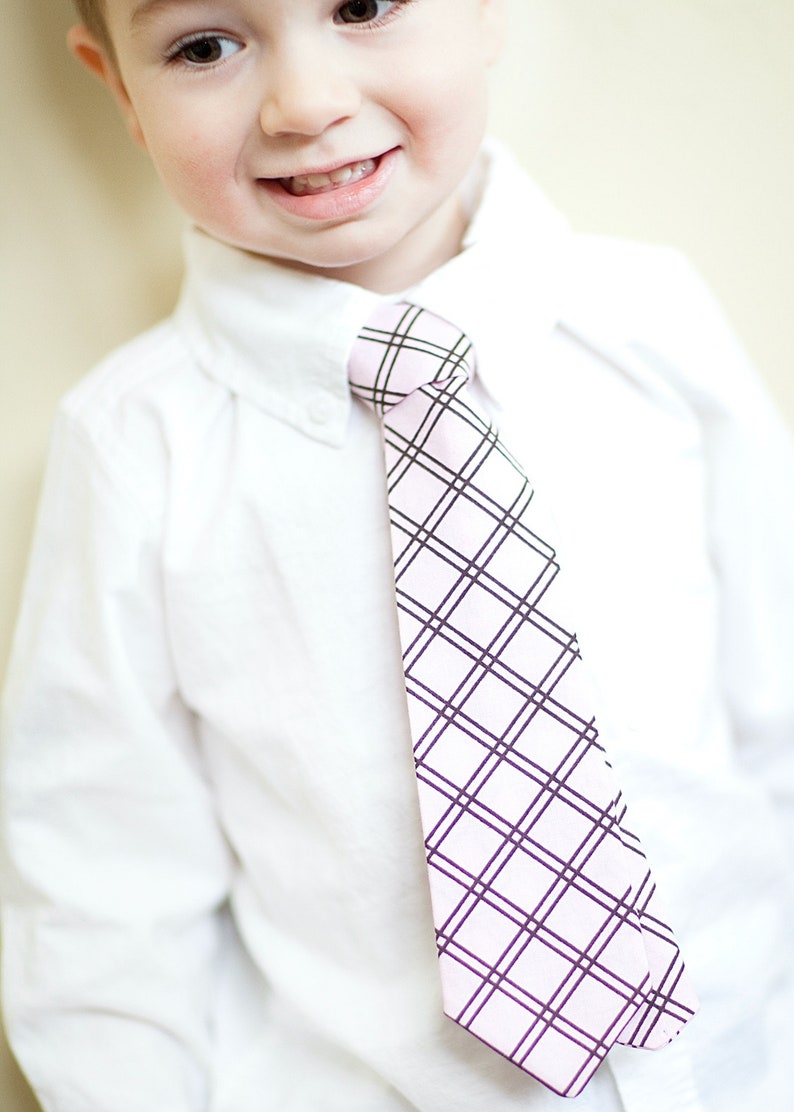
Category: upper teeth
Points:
column 342, row 176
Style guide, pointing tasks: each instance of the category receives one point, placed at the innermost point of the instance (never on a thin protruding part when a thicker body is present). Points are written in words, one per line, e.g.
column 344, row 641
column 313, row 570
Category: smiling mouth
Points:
column 303, row 185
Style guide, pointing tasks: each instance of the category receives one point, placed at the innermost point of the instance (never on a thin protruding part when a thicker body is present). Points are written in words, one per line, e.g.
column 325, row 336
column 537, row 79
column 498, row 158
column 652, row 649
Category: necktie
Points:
column 551, row 947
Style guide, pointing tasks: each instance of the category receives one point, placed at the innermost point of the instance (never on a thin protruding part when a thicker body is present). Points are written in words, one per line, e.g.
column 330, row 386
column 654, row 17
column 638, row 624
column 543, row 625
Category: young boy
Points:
column 216, row 887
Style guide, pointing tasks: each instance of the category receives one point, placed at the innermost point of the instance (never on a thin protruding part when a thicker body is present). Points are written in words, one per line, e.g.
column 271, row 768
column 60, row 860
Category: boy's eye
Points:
column 205, row 50
column 365, row 11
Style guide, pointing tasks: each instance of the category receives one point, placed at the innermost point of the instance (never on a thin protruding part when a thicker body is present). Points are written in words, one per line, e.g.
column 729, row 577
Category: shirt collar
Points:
column 507, row 287
column 281, row 337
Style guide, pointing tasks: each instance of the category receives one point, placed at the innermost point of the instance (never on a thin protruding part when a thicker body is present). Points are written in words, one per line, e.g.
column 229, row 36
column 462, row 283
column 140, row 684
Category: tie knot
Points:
column 401, row 348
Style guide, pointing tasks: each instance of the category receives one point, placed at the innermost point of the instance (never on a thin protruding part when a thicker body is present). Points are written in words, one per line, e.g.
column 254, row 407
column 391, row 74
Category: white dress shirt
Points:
column 215, row 897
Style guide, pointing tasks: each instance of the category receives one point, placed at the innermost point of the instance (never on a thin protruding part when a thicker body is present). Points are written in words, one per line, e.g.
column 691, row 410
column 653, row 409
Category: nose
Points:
column 306, row 94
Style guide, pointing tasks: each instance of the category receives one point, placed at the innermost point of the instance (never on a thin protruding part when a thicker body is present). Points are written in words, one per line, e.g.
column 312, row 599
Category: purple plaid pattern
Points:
column 551, row 947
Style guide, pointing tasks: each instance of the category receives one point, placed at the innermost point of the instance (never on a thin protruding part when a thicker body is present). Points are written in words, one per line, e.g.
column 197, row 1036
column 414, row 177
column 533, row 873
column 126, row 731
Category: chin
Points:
column 335, row 263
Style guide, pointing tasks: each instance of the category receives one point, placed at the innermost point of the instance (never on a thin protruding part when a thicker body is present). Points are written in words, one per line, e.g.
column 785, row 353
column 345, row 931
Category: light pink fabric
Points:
column 551, row 946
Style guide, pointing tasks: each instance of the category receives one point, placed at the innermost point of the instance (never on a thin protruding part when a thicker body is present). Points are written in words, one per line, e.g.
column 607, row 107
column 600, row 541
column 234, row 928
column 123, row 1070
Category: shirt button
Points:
column 320, row 410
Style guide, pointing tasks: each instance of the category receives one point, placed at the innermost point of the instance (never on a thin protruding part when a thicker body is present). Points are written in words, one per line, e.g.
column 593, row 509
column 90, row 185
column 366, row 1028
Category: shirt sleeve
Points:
column 750, row 511
column 114, row 869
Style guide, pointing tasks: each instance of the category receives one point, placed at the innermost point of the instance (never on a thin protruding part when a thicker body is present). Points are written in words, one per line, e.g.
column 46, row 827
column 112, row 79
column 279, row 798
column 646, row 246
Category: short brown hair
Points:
column 92, row 13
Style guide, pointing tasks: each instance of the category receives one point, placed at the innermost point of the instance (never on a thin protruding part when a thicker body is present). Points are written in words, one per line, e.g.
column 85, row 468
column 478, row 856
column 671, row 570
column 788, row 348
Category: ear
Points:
column 494, row 23
column 91, row 52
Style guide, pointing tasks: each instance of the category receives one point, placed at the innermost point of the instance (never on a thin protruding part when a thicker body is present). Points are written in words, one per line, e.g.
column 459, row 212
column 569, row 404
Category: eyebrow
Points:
column 147, row 9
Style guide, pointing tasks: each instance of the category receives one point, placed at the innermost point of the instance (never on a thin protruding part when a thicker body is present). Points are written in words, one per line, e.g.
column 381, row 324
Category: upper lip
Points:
column 325, row 168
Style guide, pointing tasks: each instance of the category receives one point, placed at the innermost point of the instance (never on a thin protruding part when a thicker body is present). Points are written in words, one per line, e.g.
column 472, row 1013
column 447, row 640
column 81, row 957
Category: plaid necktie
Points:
column 550, row 944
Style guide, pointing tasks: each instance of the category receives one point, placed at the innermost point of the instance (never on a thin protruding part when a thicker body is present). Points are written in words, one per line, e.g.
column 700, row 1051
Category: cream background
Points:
column 667, row 120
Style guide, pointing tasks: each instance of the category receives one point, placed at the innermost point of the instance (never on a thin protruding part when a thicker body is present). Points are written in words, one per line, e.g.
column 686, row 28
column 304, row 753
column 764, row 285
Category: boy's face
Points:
column 332, row 135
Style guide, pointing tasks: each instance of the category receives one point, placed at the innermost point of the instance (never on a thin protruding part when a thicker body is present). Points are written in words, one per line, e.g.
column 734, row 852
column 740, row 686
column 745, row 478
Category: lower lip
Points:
column 336, row 204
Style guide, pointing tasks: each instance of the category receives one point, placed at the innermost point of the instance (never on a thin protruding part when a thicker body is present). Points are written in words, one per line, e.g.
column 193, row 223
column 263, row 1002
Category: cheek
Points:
column 191, row 151
column 194, row 168
column 447, row 119
column 439, row 99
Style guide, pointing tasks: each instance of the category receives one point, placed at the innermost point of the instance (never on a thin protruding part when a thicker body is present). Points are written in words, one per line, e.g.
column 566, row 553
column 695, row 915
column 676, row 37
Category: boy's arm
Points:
column 115, row 867
column 750, row 505
column 752, row 523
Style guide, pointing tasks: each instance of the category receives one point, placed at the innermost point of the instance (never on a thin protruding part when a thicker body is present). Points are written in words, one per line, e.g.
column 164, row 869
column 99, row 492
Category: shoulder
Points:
column 158, row 380
column 122, row 420
column 140, row 373
column 651, row 301
column 633, row 302
column 637, row 289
